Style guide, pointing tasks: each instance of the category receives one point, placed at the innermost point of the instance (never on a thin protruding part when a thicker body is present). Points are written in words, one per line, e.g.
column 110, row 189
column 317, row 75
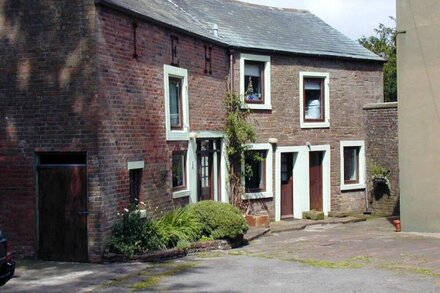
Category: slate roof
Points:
column 249, row 26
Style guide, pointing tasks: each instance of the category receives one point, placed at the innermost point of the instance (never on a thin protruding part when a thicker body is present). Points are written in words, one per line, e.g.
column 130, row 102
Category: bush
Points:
column 134, row 235
column 220, row 220
column 178, row 226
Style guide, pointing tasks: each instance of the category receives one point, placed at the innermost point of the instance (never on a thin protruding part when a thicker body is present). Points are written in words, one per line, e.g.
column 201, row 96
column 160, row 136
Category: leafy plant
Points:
column 220, row 220
column 379, row 173
column 177, row 226
column 133, row 235
column 239, row 133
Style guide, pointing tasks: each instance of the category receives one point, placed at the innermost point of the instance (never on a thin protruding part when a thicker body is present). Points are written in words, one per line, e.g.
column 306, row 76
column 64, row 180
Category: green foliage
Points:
column 378, row 172
column 133, row 235
column 177, row 226
column 384, row 44
column 220, row 220
column 239, row 132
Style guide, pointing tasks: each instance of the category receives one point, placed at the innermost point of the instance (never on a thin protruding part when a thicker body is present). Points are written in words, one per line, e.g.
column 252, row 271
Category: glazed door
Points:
column 286, row 185
column 315, row 176
column 62, row 212
column 208, row 169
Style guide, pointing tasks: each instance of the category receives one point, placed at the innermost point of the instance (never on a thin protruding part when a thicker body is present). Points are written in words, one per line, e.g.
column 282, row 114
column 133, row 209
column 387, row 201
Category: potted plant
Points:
column 380, row 175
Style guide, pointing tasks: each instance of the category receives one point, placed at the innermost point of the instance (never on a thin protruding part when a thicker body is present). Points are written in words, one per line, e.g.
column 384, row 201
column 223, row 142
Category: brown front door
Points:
column 286, row 185
column 315, row 176
column 62, row 212
column 208, row 160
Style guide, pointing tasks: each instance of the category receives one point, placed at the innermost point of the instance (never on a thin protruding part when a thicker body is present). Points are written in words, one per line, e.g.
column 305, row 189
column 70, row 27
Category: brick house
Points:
column 104, row 102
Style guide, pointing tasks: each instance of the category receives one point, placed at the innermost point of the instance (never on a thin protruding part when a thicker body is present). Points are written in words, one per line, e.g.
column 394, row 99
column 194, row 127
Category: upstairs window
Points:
column 175, row 86
column 314, row 100
column 176, row 103
column 255, row 81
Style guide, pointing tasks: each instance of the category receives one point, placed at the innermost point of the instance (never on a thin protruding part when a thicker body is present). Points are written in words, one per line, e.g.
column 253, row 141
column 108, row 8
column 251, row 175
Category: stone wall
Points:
column 382, row 149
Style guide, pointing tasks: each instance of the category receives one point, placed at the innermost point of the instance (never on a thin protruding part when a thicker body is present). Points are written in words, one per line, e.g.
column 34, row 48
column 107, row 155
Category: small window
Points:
column 313, row 100
column 175, row 98
column 179, row 171
column 255, row 181
column 351, row 165
column 254, row 81
column 135, row 185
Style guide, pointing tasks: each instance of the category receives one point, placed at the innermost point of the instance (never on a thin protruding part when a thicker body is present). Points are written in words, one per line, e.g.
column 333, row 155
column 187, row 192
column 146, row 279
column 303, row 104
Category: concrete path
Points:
column 359, row 257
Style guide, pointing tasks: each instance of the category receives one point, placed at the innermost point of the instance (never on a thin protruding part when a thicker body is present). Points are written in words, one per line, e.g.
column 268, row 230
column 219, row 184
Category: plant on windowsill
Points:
column 380, row 175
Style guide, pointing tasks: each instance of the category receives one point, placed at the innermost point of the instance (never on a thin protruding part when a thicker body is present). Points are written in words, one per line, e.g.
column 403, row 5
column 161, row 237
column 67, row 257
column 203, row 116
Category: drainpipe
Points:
column 367, row 203
column 231, row 69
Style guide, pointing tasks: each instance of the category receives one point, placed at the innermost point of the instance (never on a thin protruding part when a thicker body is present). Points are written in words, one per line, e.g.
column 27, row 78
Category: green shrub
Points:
column 220, row 220
column 134, row 235
column 178, row 225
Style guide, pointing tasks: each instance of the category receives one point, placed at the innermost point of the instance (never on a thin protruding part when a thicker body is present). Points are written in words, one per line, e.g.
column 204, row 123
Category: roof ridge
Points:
column 256, row 5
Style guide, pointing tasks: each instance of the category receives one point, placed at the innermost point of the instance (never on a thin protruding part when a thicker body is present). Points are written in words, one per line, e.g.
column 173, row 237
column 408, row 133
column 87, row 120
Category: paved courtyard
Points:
column 359, row 257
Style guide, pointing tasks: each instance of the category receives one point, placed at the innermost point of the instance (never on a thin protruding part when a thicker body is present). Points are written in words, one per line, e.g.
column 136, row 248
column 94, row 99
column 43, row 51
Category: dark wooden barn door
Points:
column 286, row 185
column 315, row 176
column 62, row 211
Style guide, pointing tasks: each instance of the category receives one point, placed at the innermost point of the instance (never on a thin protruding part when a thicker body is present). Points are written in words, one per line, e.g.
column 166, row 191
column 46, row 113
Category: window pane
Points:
column 252, row 81
column 351, row 163
column 135, row 176
column 175, row 102
column 255, row 181
column 178, row 170
column 313, row 99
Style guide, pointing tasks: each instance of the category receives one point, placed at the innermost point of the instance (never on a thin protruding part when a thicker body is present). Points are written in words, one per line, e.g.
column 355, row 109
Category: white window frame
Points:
column 176, row 134
column 267, row 99
column 268, row 193
column 326, row 77
column 362, row 164
column 186, row 192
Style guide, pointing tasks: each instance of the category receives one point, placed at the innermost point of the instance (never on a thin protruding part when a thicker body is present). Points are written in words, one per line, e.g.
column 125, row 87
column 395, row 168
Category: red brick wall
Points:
column 132, row 104
column 382, row 147
column 352, row 85
column 48, row 103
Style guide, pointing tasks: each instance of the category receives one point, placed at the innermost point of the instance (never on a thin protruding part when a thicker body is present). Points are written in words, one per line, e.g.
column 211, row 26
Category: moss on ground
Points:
column 409, row 270
column 153, row 281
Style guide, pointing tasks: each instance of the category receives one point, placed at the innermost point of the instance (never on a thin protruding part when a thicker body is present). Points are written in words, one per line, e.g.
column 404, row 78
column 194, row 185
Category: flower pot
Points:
column 396, row 224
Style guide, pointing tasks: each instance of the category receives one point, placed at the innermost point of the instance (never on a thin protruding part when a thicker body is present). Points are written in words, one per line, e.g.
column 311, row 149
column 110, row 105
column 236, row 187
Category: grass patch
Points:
column 210, row 254
column 407, row 269
column 154, row 280
column 346, row 264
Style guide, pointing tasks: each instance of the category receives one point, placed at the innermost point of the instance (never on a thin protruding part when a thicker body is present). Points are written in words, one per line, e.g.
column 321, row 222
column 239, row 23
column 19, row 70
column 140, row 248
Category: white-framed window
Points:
column 314, row 99
column 353, row 170
column 176, row 103
column 255, row 81
column 179, row 174
column 258, row 184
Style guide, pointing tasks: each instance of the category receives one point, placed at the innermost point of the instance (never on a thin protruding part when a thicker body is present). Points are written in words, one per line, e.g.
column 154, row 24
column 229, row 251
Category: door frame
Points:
column 192, row 165
column 301, row 190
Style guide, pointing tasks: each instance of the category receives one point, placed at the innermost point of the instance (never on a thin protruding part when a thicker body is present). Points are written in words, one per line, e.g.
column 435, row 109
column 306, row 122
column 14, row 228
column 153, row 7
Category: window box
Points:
column 352, row 165
column 314, row 100
column 176, row 103
column 255, row 81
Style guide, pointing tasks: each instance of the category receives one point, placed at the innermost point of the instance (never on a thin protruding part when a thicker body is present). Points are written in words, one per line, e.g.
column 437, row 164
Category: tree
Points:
column 384, row 45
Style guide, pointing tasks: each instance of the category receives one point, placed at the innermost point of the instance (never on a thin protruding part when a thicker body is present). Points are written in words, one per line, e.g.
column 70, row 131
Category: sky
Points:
column 354, row 18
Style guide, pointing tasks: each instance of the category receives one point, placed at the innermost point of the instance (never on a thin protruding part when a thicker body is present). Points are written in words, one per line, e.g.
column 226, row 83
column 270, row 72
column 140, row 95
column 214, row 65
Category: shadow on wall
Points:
column 47, row 86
